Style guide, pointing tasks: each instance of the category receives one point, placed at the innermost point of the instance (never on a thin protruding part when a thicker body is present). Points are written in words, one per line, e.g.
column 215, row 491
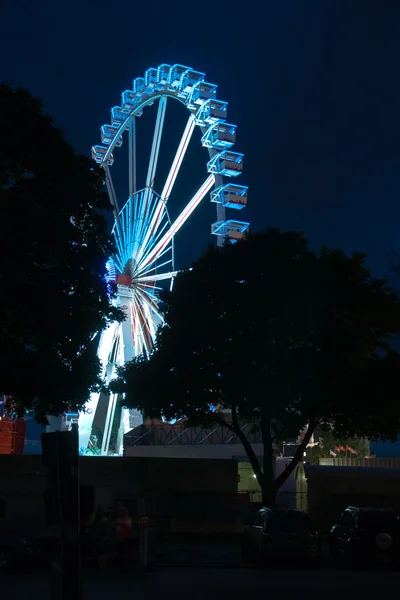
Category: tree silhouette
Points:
column 54, row 247
column 279, row 336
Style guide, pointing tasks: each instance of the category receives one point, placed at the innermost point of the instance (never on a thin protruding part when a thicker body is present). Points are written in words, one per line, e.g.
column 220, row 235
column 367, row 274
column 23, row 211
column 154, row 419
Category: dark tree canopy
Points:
column 55, row 244
column 280, row 336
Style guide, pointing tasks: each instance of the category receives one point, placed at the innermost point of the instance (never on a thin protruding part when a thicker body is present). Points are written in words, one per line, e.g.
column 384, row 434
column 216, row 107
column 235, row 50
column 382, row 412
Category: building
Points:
column 156, row 438
column 172, row 492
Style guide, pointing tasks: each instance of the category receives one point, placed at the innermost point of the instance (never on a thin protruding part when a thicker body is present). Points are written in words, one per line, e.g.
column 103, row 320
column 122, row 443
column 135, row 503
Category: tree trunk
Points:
column 268, row 488
column 298, row 457
column 248, row 449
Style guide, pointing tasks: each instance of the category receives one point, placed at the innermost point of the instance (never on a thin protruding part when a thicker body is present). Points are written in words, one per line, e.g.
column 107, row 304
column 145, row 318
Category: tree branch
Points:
column 248, row 448
column 221, row 421
column 279, row 481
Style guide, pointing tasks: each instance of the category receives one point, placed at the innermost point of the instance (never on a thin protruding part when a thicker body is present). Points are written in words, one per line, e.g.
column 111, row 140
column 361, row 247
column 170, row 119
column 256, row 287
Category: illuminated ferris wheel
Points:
column 143, row 231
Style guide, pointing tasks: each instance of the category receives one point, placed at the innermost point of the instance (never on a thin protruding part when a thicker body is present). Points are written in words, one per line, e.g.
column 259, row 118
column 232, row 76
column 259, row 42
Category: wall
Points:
column 23, row 483
column 215, row 451
column 387, row 462
column 330, row 489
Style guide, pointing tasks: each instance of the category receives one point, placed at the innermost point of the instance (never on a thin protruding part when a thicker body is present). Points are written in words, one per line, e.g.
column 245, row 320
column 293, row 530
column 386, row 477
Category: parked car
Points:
column 16, row 552
column 280, row 534
column 365, row 535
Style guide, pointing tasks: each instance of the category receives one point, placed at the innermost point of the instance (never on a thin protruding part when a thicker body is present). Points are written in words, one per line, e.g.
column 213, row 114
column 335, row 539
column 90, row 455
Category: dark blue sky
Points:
column 312, row 85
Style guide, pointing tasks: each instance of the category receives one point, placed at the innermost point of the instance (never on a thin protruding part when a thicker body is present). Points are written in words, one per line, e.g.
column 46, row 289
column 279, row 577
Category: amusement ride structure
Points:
column 143, row 232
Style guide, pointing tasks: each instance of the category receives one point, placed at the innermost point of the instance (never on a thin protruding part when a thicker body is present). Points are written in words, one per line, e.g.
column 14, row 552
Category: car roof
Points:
column 372, row 509
column 284, row 511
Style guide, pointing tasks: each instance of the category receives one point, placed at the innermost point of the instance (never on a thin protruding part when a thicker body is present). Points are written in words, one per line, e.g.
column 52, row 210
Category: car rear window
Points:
column 289, row 523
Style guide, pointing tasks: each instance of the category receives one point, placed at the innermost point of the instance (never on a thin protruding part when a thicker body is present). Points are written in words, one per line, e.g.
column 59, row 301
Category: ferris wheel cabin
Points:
column 211, row 112
column 150, row 79
column 139, row 86
column 175, row 76
column 219, row 136
column 117, row 116
column 129, row 101
column 201, row 92
column 162, row 76
column 233, row 230
column 108, row 133
column 189, row 79
column 98, row 154
column 230, row 195
column 226, row 163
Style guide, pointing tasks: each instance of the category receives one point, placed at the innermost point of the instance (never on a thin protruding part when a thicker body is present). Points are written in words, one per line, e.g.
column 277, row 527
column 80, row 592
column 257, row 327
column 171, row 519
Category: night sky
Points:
column 312, row 86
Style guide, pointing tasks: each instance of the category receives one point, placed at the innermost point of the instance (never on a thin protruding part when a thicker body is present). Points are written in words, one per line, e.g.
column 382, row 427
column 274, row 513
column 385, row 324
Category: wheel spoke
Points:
column 149, row 301
column 177, row 224
column 156, row 267
column 158, row 277
column 112, row 404
column 151, row 171
column 111, row 193
column 152, row 207
column 118, row 229
column 142, row 323
column 171, row 178
column 180, row 153
column 132, row 156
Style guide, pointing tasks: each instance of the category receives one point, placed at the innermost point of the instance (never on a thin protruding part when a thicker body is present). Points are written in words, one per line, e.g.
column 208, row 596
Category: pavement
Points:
column 211, row 570
column 183, row 552
column 216, row 583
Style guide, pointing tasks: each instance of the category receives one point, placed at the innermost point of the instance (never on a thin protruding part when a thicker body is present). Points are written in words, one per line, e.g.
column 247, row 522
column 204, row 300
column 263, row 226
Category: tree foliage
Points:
column 279, row 335
column 55, row 244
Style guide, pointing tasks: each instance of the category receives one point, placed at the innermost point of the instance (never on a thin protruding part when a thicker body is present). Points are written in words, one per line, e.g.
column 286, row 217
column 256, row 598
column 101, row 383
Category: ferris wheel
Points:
column 143, row 231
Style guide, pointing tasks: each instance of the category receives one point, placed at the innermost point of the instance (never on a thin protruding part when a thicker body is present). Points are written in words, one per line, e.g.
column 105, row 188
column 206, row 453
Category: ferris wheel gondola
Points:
column 143, row 231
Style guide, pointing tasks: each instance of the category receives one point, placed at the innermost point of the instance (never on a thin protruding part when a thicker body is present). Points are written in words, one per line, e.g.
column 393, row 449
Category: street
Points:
column 216, row 583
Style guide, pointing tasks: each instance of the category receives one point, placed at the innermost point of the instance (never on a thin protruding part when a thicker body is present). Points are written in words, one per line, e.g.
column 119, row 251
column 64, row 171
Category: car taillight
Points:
column 266, row 535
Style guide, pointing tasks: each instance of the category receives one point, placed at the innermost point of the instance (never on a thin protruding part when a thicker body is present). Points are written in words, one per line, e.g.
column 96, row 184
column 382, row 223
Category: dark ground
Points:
column 218, row 583
column 213, row 569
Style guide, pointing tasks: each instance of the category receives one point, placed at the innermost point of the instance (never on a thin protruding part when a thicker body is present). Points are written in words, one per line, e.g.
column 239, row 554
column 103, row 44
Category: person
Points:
column 123, row 531
column 96, row 530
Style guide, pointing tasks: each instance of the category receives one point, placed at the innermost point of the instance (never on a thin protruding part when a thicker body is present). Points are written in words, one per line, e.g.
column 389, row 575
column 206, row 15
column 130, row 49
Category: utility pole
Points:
column 62, row 499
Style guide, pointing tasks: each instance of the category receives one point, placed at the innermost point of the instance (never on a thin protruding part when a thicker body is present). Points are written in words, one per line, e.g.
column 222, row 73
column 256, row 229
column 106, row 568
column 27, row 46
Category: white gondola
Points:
column 189, row 79
column 175, row 76
column 128, row 101
column 226, row 163
column 234, row 230
column 230, row 195
column 139, row 86
column 117, row 116
column 203, row 91
column 211, row 111
column 150, row 79
column 163, row 76
column 219, row 136
column 108, row 133
column 98, row 154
